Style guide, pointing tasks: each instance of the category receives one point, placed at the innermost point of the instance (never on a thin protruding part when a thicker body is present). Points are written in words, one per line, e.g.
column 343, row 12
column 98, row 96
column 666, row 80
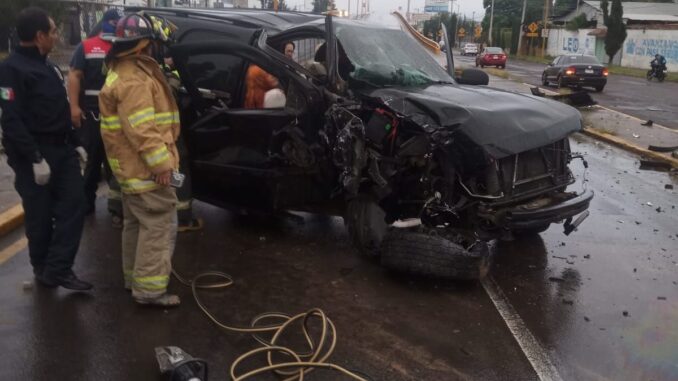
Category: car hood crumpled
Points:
column 503, row 123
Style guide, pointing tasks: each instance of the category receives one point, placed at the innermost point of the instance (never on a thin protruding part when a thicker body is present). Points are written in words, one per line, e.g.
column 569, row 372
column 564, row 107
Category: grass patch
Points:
column 536, row 59
column 639, row 73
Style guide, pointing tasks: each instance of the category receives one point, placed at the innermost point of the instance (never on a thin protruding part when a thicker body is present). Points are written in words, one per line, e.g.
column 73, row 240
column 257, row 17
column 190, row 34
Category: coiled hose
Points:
column 299, row 364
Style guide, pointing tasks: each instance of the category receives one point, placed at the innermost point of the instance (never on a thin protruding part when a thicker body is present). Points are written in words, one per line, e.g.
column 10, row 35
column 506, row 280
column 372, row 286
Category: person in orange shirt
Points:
column 258, row 83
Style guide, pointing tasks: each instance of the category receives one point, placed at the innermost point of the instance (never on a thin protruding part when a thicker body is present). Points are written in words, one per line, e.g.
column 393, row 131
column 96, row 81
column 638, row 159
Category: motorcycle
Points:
column 656, row 72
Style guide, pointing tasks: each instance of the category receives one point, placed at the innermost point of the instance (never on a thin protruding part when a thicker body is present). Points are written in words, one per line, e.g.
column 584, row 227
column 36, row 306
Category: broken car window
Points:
column 388, row 57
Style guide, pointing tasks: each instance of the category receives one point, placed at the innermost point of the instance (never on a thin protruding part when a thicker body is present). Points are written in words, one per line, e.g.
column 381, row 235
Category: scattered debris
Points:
column 659, row 209
column 636, row 136
column 661, row 298
column 662, row 149
column 568, row 302
column 654, row 164
column 27, row 285
column 562, row 244
column 648, row 203
column 625, row 313
column 620, row 221
column 649, row 123
column 586, row 319
column 637, row 222
column 556, row 279
column 557, row 257
column 635, row 269
column 668, row 186
column 587, row 256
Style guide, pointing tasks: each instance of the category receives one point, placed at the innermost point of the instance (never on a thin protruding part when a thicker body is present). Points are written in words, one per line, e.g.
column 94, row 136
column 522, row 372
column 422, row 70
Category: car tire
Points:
column 433, row 256
column 544, row 79
column 477, row 64
column 364, row 221
column 482, row 66
column 559, row 79
column 531, row 231
column 599, row 88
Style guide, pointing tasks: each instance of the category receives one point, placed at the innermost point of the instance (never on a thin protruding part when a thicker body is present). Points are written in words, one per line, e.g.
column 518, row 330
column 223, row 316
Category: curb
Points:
column 624, row 144
column 11, row 219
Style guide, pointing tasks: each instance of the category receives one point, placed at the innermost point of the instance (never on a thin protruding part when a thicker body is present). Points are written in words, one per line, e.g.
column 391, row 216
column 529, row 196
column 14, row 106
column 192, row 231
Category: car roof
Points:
column 273, row 22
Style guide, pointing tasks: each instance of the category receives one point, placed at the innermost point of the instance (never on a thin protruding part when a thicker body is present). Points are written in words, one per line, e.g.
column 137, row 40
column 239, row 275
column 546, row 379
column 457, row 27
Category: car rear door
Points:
column 242, row 157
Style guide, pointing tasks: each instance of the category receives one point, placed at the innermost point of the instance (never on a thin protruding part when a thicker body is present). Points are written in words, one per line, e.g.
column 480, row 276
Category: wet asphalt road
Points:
column 603, row 302
column 633, row 96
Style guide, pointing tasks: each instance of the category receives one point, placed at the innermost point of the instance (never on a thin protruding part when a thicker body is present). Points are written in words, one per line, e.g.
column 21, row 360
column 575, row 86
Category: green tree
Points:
column 507, row 14
column 616, row 30
column 9, row 9
column 320, row 6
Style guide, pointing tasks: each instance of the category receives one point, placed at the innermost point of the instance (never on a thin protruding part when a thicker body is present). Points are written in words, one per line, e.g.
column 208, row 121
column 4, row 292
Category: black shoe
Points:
column 40, row 280
column 70, row 282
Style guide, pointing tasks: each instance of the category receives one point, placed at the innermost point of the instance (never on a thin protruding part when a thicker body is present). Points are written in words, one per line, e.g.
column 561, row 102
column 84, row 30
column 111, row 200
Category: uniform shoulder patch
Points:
column 6, row 93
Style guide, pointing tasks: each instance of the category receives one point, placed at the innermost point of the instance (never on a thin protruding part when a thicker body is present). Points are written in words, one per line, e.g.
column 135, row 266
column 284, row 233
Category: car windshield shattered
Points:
column 388, row 57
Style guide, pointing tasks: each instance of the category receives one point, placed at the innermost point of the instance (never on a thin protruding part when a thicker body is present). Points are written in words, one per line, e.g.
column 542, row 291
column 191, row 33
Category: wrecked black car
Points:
column 423, row 169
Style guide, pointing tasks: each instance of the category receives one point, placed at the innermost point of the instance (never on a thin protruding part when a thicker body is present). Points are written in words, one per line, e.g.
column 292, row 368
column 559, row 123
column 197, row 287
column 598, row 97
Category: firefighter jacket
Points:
column 139, row 123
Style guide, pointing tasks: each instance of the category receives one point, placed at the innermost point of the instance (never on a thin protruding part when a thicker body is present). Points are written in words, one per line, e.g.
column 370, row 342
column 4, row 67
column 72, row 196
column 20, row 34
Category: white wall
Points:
column 641, row 46
column 562, row 41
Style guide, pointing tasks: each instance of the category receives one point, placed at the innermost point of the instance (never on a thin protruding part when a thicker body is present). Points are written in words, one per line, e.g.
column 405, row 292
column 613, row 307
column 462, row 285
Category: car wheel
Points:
column 482, row 66
column 599, row 88
column 544, row 79
column 476, row 63
column 433, row 256
column 365, row 223
column 560, row 82
column 531, row 231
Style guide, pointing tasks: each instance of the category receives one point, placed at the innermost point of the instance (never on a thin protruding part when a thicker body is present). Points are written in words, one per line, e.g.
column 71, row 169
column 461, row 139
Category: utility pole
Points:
column 489, row 37
column 408, row 11
column 522, row 23
column 547, row 11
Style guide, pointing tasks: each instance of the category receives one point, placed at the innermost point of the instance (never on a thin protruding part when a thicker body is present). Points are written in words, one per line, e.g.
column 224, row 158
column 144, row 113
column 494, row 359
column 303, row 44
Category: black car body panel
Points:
column 587, row 71
column 466, row 158
column 517, row 124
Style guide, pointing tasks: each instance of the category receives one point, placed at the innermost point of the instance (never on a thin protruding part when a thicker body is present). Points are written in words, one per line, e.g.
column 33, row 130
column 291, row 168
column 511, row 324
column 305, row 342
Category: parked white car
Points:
column 469, row 49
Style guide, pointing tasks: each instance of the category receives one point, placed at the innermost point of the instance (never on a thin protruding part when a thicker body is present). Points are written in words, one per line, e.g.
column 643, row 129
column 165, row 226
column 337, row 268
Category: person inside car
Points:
column 258, row 83
column 289, row 49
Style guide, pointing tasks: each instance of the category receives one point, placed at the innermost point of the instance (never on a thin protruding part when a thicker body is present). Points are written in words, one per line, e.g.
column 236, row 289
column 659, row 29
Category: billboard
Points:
column 436, row 6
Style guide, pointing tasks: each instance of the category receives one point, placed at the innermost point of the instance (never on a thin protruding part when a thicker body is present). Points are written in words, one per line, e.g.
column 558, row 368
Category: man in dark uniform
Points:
column 85, row 80
column 43, row 151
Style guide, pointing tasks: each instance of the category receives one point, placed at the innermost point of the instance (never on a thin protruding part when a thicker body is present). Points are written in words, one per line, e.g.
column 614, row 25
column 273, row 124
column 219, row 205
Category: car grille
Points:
column 535, row 170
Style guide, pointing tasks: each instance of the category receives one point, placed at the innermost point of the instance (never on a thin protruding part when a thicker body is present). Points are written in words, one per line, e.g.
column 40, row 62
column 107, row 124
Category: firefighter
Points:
column 85, row 80
column 43, row 151
column 139, row 127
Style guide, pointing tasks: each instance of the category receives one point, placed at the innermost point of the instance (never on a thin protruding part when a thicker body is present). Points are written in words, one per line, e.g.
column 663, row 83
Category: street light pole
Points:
column 522, row 22
column 489, row 38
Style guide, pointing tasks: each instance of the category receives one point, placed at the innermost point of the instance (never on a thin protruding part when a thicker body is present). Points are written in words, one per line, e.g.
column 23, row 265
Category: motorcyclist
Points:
column 658, row 63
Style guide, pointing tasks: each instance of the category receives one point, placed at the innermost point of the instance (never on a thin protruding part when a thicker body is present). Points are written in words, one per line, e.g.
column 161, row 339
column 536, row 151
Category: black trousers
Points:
column 90, row 135
column 54, row 213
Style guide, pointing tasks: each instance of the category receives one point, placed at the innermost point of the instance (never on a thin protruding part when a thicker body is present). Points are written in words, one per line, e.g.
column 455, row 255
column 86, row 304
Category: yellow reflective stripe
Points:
column 137, row 185
column 114, row 164
column 110, row 123
column 152, row 283
column 183, row 205
column 141, row 116
column 111, row 77
column 157, row 157
column 162, row 118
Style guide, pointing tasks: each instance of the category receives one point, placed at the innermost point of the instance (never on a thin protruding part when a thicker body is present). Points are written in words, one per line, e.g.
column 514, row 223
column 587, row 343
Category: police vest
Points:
column 95, row 50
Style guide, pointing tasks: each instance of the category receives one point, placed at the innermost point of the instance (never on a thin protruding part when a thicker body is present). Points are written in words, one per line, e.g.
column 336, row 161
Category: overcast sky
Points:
column 466, row 7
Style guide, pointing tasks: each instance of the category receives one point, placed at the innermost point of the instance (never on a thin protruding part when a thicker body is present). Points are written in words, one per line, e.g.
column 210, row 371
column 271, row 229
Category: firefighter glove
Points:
column 41, row 172
column 83, row 154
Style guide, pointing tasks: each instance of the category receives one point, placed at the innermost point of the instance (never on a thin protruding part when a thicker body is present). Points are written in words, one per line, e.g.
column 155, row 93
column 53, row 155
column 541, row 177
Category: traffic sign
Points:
column 461, row 32
column 533, row 27
column 478, row 31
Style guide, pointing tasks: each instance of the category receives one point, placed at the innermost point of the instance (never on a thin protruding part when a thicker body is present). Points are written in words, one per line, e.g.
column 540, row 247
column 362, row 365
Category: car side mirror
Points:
column 473, row 77
column 551, row 64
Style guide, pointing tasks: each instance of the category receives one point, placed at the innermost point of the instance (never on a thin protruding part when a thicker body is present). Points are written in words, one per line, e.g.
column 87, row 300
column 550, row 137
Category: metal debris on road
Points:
column 668, row 186
column 625, row 313
column 648, row 123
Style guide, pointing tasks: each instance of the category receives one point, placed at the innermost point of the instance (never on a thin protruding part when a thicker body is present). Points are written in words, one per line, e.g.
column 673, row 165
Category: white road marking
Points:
column 533, row 350
column 12, row 250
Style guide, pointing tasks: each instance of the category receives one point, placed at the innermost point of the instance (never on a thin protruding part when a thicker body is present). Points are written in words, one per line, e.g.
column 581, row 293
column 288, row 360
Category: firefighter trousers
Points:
column 148, row 239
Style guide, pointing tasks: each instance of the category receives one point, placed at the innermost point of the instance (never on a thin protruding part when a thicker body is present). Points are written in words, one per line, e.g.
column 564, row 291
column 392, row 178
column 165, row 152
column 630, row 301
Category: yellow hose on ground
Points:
column 299, row 364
